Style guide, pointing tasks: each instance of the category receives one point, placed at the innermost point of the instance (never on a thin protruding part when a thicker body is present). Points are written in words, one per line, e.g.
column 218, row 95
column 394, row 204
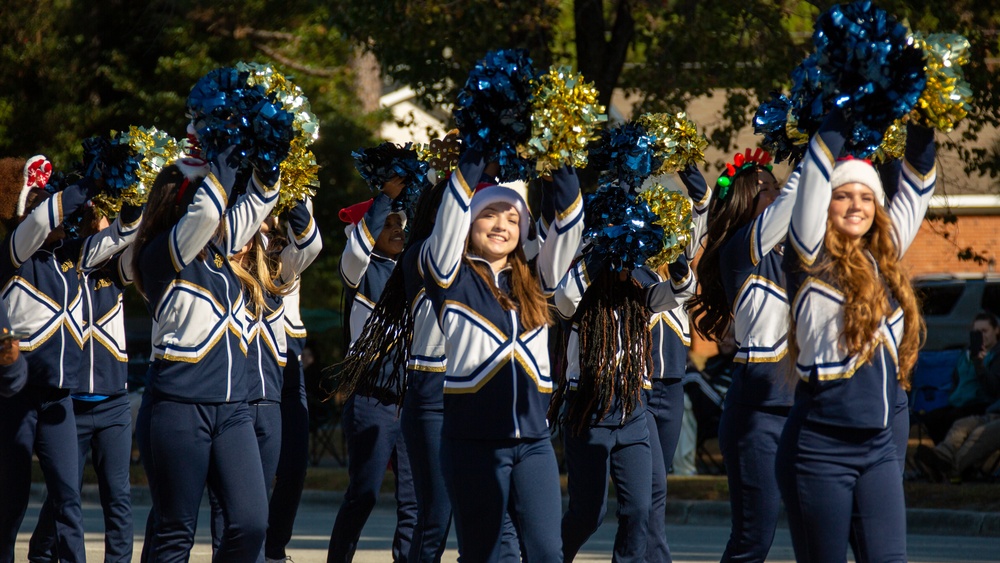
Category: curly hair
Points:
column 864, row 286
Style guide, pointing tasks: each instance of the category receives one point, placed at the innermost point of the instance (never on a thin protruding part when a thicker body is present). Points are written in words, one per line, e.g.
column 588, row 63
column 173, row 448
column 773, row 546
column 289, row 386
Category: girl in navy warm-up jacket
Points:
column 370, row 420
column 100, row 401
column 493, row 312
column 293, row 459
column 670, row 333
column 742, row 289
column 857, row 331
column 609, row 361
column 41, row 288
column 199, row 428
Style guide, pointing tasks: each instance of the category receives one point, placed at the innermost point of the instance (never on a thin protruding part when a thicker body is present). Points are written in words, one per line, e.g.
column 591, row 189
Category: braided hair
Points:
column 615, row 352
column 388, row 332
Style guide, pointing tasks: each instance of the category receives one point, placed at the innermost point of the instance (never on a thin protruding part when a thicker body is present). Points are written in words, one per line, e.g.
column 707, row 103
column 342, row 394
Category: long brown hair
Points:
column 525, row 295
column 865, row 300
column 710, row 308
column 162, row 212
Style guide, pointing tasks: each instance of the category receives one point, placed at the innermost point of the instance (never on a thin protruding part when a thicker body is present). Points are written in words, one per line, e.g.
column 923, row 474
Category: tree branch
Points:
column 295, row 65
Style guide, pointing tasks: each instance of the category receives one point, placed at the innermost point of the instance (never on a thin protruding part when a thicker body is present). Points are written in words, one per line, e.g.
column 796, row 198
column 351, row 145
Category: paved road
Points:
column 688, row 543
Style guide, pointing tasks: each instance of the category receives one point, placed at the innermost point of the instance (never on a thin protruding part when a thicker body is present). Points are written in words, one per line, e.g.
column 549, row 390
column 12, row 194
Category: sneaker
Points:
column 282, row 560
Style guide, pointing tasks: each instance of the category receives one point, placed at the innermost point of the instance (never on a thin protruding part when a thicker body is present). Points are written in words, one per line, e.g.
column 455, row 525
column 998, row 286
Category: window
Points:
column 941, row 299
column 991, row 297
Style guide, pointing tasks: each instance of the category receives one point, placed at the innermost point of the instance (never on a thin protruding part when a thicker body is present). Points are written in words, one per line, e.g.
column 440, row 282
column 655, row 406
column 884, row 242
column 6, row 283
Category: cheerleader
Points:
column 100, row 402
column 262, row 273
column 857, row 331
column 495, row 446
column 370, row 421
column 199, row 427
column 302, row 244
column 41, row 289
column 670, row 335
column 609, row 360
column 742, row 284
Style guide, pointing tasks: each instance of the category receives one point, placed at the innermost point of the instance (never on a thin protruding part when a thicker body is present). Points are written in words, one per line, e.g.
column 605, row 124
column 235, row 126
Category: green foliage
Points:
column 75, row 68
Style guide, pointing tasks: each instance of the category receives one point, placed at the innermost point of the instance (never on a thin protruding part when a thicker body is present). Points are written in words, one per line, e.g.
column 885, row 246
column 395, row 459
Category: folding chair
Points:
column 930, row 387
column 706, row 403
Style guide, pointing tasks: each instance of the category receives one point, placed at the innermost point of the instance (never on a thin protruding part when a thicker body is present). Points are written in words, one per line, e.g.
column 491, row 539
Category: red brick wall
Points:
column 932, row 252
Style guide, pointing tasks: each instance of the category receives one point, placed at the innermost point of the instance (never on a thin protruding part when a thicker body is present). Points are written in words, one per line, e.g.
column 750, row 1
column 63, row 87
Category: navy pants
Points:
column 664, row 413
column 142, row 439
column 421, row 423
column 488, row 478
column 827, row 473
column 900, row 439
column 624, row 454
column 266, row 417
column 40, row 418
column 374, row 441
column 197, row 444
column 748, row 438
column 293, row 460
column 104, row 428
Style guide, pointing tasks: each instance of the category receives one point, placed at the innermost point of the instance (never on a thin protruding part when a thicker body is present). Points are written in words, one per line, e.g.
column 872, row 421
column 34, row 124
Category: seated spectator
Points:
column 969, row 441
column 976, row 379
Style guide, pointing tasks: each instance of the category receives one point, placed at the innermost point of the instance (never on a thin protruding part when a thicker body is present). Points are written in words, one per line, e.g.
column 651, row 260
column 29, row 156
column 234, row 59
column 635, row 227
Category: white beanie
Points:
column 853, row 170
column 490, row 194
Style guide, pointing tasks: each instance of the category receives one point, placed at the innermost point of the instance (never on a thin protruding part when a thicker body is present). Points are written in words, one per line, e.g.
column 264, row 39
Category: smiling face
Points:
column 496, row 231
column 390, row 240
column 852, row 209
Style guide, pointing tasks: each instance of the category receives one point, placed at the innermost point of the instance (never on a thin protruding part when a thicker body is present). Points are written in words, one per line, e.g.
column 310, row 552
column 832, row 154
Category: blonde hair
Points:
column 863, row 287
column 258, row 273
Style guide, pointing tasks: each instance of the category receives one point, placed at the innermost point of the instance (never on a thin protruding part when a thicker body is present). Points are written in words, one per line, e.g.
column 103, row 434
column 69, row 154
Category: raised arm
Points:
column 304, row 241
column 361, row 241
column 809, row 215
column 198, row 224
column 32, row 232
column 574, row 284
column 771, row 226
column 700, row 195
column 99, row 247
column 559, row 248
column 441, row 254
column 243, row 219
column 917, row 178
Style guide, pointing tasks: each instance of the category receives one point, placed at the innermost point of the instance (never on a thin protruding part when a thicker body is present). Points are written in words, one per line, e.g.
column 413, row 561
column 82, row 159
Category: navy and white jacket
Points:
column 671, row 330
column 308, row 243
column 364, row 271
column 498, row 381
column 105, row 358
column 754, row 283
column 268, row 343
column 199, row 334
column 661, row 296
column 839, row 390
column 41, row 287
column 428, row 362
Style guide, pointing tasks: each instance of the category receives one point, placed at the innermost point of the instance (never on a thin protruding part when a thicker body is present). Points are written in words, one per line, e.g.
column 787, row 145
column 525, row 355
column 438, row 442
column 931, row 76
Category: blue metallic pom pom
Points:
column 868, row 67
column 625, row 154
column 621, row 228
column 771, row 121
column 227, row 111
column 493, row 111
column 111, row 161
